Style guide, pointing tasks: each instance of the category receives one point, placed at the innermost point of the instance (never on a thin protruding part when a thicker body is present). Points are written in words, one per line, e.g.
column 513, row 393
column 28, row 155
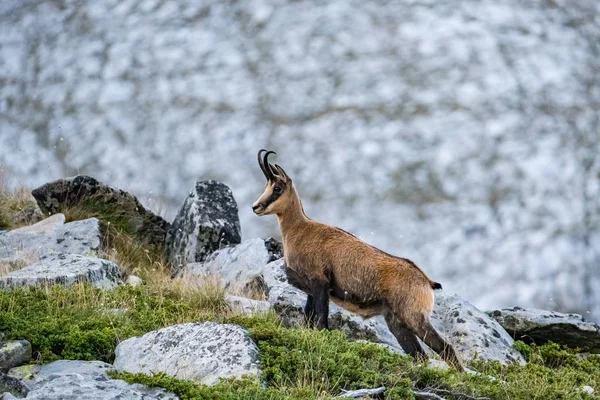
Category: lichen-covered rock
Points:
column 74, row 380
column 51, row 235
column 472, row 333
column 202, row 352
column 13, row 386
column 207, row 221
column 540, row 326
column 14, row 353
column 65, row 269
column 289, row 302
column 245, row 305
column 239, row 266
column 85, row 191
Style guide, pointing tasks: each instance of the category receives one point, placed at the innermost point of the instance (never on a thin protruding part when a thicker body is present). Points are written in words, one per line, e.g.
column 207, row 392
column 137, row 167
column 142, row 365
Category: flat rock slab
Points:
column 51, row 235
column 472, row 333
column 289, row 302
column 65, row 269
column 202, row 352
column 85, row 191
column 207, row 221
column 240, row 266
column 74, row 380
column 246, row 305
column 14, row 353
column 541, row 326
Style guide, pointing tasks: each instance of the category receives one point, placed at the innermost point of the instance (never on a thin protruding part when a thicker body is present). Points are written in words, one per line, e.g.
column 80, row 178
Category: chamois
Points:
column 328, row 263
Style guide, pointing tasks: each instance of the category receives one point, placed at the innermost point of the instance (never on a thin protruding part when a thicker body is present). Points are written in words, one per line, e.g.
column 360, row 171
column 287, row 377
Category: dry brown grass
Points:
column 17, row 207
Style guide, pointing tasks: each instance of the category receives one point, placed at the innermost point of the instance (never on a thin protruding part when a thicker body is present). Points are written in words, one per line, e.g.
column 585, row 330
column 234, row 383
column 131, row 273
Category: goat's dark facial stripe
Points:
column 272, row 198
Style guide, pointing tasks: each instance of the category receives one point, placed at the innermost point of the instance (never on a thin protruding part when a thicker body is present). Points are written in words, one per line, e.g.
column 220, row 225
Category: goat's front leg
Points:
column 319, row 300
column 309, row 311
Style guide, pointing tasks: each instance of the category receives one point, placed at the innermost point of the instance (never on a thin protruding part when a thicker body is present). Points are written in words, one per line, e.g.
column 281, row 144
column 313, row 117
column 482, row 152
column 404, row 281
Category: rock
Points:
column 14, row 353
column 202, row 352
column 13, row 386
column 289, row 302
column 27, row 216
column 7, row 396
column 24, row 372
column 473, row 333
column 95, row 196
column 362, row 393
column 50, row 235
column 588, row 389
column 65, row 269
column 72, row 380
column 540, row 326
column 238, row 266
column 134, row 280
column 207, row 221
column 44, row 225
column 246, row 305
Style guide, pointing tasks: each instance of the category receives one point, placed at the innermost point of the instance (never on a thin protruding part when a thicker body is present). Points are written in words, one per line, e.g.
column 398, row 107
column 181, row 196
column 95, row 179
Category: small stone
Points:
column 588, row 389
column 134, row 280
column 248, row 306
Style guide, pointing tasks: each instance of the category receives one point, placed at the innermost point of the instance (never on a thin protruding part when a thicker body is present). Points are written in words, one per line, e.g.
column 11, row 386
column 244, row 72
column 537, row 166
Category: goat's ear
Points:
column 282, row 173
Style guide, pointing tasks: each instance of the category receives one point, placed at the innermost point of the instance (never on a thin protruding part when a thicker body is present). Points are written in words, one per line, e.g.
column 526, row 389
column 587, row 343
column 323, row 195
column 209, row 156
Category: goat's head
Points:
column 278, row 190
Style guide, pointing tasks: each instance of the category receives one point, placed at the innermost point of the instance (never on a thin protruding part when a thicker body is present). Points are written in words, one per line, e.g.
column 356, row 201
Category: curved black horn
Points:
column 263, row 162
column 268, row 166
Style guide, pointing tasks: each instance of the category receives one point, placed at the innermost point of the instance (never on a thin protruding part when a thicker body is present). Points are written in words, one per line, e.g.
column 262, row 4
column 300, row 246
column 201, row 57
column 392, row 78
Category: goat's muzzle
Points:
column 258, row 209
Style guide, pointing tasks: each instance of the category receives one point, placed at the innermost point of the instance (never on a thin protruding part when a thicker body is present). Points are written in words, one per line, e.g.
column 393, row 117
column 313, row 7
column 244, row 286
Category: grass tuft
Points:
column 17, row 207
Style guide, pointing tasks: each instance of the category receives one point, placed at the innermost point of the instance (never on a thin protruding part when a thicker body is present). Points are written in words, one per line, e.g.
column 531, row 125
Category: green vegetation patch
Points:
column 87, row 323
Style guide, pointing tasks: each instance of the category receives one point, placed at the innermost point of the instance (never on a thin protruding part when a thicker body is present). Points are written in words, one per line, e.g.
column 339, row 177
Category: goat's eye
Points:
column 277, row 189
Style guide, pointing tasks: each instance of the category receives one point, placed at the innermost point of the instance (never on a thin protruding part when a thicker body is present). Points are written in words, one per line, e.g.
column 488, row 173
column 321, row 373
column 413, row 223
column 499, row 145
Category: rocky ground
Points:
column 100, row 296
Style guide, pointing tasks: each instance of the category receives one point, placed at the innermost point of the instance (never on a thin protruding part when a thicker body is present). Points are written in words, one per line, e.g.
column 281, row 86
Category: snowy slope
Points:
column 462, row 135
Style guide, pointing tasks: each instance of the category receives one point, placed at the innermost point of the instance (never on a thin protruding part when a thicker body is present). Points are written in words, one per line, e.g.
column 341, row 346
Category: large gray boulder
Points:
column 87, row 192
column 472, row 333
column 21, row 246
column 14, row 353
column 540, row 326
column 201, row 352
column 207, row 221
column 65, row 269
column 241, row 265
column 75, row 380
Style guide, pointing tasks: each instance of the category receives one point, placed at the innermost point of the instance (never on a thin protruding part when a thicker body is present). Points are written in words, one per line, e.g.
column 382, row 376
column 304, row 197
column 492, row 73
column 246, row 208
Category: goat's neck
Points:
column 292, row 217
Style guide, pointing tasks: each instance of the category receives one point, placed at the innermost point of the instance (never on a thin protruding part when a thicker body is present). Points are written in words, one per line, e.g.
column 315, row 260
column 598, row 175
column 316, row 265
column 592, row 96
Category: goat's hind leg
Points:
column 422, row 327
column 406, row 338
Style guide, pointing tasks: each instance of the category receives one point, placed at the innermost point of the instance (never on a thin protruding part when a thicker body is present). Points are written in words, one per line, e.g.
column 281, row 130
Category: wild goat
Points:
column 328, row 263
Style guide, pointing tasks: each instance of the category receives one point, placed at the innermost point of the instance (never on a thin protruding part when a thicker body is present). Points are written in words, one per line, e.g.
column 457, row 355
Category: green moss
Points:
column 87, row 323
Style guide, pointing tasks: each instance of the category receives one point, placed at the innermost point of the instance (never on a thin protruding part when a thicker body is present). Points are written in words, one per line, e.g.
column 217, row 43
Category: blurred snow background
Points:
column 462, row 135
